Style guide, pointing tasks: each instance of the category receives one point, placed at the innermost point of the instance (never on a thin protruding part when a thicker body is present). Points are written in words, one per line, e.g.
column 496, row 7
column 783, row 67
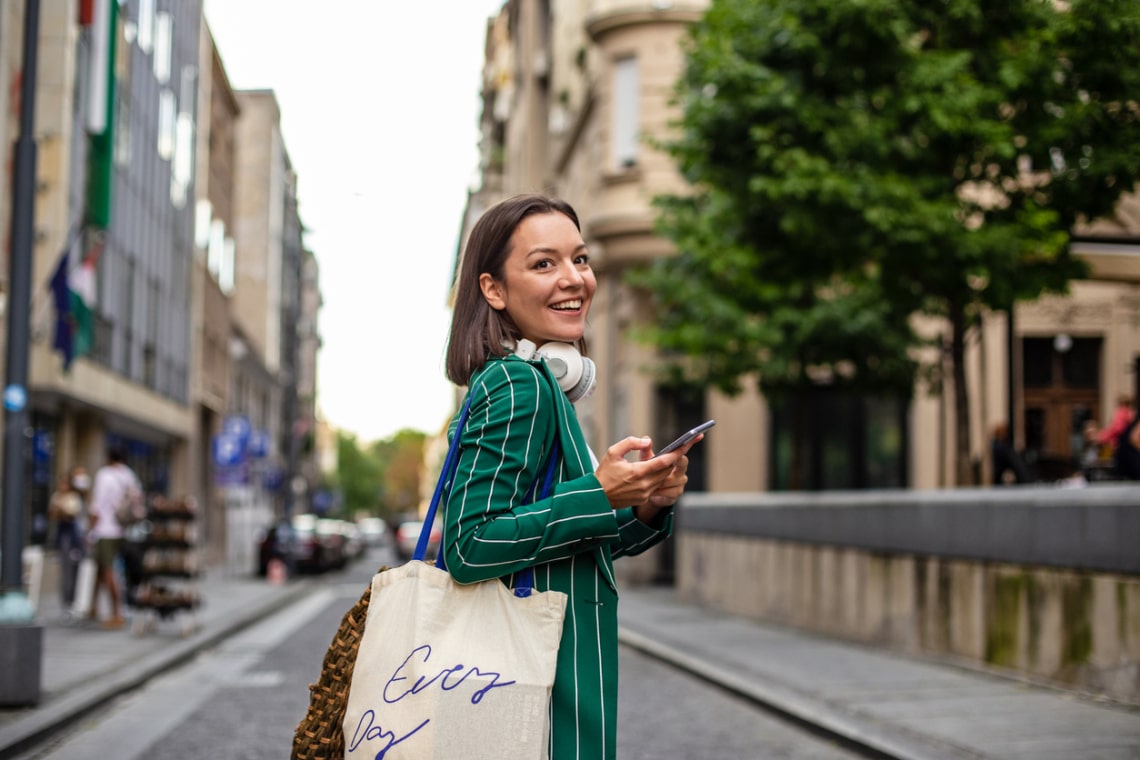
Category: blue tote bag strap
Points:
column 449, row 465
column 524, row 580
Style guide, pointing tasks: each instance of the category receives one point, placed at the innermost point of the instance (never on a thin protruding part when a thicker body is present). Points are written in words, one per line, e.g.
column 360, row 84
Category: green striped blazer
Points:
column 571, row 538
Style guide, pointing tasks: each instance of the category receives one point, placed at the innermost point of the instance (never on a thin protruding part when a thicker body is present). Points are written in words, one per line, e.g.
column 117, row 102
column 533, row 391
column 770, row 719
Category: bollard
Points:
column 275, row 572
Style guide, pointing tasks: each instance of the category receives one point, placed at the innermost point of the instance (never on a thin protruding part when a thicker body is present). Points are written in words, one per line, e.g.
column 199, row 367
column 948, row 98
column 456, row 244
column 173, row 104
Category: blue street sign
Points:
column 228, row 450
column 237, row 426
column 258, row 444
column 15, row 398
column 322, row 500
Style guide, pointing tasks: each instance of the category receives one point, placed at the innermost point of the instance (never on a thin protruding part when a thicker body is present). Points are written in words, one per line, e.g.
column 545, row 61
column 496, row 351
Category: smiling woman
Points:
column 524, row 291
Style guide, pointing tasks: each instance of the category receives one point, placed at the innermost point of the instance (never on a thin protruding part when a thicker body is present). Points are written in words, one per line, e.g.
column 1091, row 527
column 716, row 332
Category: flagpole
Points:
column 20, row 638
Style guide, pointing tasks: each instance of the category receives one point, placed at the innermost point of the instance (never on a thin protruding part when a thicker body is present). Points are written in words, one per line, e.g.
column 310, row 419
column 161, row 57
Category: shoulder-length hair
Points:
column 479, row 332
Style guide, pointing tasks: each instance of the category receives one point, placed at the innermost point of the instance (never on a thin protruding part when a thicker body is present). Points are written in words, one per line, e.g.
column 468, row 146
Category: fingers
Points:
column 631, row 443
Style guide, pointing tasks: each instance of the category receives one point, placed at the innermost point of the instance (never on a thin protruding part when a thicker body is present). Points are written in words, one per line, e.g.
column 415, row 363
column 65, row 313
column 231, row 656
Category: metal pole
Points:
column 19, row 305
column 21, row 638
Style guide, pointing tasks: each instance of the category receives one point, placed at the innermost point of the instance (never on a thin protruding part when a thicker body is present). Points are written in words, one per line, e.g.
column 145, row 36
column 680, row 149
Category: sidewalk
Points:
column 898, row 706
column 85, row 666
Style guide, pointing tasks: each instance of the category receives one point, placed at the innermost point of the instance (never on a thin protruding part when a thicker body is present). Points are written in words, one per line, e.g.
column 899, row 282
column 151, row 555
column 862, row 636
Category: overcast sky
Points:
column 379, row 113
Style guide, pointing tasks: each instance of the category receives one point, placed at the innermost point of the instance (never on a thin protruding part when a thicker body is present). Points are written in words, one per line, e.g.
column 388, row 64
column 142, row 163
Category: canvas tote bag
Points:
column 449, row 671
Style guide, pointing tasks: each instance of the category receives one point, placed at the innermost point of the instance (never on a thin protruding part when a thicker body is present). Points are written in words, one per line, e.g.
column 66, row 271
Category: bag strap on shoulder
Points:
column 524, row 580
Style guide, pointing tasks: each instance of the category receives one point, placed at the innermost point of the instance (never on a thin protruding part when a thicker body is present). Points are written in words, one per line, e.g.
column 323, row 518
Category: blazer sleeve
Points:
column 488, row 530
column 634, row 536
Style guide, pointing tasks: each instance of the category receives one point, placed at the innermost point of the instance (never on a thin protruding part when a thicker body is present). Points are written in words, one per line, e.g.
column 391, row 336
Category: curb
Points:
column 868, row 735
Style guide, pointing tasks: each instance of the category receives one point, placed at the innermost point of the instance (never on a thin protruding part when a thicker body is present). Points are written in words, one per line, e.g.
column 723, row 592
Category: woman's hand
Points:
column 670, row 491
column 629, row 483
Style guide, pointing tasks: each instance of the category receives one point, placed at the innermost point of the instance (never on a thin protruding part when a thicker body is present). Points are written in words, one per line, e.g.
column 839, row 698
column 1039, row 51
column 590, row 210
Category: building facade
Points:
column 178, row 199
column 574, row 94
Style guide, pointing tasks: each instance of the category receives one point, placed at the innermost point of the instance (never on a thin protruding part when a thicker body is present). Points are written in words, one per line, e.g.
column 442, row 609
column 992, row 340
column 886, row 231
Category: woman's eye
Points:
column 543, row 264
column 582, row 258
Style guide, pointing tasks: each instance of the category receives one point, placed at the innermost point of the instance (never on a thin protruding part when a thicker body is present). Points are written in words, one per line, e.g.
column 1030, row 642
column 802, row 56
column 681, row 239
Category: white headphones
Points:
column 576, row 374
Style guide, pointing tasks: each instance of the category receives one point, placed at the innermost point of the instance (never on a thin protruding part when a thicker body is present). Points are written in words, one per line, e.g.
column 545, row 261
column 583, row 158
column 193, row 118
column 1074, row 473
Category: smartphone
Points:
column 686, row 437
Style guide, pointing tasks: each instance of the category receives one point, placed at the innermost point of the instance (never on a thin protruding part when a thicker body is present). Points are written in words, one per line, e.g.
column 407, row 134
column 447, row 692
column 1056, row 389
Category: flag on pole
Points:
column 73, row 290
column 104, row 31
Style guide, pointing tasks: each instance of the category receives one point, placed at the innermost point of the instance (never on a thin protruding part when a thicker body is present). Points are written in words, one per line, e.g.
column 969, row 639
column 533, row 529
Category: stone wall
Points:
column 1020, row 580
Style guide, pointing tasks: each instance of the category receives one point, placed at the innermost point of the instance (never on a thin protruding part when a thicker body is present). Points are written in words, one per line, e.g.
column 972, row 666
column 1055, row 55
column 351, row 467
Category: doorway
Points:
column 1061, row 392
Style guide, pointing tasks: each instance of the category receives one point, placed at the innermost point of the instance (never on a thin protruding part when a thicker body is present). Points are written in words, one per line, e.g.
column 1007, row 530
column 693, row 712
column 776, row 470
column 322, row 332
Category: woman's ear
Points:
column 492, row 292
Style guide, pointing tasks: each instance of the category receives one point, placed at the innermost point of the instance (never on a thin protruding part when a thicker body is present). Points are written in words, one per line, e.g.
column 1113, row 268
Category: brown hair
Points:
column 478, row 332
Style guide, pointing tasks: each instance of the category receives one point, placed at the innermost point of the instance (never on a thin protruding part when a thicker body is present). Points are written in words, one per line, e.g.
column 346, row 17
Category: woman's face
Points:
column 547, row 283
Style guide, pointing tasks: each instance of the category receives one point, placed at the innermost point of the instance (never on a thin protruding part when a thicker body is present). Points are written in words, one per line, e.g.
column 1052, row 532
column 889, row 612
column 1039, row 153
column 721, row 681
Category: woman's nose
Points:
column 571, row 277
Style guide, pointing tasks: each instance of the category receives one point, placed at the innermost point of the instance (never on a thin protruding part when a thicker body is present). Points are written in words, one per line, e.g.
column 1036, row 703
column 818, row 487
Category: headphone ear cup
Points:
column 576, row 374
column 587, row 382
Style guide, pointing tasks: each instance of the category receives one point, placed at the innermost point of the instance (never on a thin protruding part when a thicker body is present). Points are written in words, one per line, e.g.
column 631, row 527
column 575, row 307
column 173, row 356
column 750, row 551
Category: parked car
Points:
column 374, row 531
column 333, row 543
column 353, row 540
column 307, row 544
column 408, row 535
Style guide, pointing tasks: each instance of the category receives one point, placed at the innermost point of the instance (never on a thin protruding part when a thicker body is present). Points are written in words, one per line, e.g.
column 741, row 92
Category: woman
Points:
column 526, row 276
column 65, row 510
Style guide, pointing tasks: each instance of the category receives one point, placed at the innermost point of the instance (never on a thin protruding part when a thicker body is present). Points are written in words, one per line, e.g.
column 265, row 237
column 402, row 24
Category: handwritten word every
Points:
column 448, row 679
column 443, row 677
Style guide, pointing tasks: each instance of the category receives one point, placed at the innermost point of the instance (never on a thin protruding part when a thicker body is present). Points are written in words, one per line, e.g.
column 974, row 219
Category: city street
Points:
column 243, row 698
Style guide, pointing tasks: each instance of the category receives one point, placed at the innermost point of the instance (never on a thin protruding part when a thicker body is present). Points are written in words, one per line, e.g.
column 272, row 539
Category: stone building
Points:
column 574, row 91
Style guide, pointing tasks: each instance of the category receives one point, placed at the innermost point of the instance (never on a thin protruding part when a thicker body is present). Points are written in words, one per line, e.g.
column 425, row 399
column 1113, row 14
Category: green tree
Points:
column 359, row 476
column 855, row 162
column 402, row 459
column 380, row 478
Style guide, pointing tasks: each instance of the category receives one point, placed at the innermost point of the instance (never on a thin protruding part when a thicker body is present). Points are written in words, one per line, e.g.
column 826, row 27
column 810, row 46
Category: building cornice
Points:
column 605, row 24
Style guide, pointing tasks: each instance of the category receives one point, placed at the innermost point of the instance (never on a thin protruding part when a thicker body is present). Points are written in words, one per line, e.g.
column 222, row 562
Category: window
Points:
column 627, row 112
column 166, row 124
column 146, row 25
column 162, row 45
column 830, row 439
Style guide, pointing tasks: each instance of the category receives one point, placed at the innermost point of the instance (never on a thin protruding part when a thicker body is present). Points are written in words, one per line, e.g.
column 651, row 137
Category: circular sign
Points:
column 15, row 398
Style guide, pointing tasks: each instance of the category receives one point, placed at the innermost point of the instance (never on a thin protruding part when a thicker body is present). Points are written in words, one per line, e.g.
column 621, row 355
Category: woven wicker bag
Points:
column 319, row 735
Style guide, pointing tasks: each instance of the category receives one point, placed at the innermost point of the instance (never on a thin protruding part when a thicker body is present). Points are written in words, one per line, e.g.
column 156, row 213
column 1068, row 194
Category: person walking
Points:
column 1122, row 416
column 65, row 512
column 115, row 485
column 524, row 290
column 1127, row 453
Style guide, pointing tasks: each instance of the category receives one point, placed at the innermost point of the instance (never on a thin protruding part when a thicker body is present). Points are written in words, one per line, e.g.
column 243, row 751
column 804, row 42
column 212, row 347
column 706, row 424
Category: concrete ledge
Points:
column 1094, row 528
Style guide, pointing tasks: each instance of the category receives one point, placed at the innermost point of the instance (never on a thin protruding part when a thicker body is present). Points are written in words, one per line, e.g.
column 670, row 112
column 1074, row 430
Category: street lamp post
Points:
column 21, row 640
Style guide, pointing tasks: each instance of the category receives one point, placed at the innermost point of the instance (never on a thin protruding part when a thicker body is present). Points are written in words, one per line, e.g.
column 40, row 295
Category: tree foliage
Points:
column 381, row 478
column 854, row 162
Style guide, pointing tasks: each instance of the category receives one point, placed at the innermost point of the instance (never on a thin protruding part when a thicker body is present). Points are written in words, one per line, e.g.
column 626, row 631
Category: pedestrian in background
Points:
column 1008, row 465
column 1122, row 417
column 526, row 276
column 1128, row 451
column 115, row 484
column 66, row 514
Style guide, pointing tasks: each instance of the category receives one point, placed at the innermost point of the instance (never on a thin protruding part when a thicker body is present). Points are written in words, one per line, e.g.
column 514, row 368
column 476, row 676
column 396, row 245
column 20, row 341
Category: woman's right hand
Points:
column 627, row 483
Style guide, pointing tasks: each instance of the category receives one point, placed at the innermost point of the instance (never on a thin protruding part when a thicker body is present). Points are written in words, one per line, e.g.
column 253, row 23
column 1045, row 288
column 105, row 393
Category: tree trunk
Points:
column 964, row 473
column 797, row 476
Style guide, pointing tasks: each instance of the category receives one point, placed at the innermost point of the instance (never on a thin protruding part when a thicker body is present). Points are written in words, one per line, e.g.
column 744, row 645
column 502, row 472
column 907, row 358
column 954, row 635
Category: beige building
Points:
column 573, row 89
